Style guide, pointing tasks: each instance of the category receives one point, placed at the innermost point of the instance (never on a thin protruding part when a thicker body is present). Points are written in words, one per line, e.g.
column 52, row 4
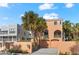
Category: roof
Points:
column 54, row 19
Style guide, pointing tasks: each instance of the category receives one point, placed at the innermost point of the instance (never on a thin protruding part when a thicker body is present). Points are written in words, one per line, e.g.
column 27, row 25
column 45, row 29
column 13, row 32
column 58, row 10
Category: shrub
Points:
column 66, row 53
column 75, row 49
column 13, row 50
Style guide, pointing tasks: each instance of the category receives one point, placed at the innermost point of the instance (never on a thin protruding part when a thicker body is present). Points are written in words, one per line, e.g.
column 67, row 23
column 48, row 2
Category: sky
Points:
column 11, row 13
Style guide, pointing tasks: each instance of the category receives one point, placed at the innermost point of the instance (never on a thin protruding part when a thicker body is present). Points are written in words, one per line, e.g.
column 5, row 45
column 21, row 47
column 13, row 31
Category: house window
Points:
column 12, row 30
column 55, row 23
column 10, row 38
column 4, row 32
column 0, row 38
column 14, row 38
column 57, row 34
column 5, row 38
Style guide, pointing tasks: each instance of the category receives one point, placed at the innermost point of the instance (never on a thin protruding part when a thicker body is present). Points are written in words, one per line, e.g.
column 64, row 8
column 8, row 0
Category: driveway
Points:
column 46, row 51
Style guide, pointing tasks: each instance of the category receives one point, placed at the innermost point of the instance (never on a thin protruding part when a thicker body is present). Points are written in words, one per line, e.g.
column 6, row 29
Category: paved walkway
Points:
column 46, row 51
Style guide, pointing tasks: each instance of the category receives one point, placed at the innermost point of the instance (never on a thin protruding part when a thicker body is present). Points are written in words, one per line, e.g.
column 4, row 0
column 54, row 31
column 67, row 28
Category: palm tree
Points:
column 29, row 20
column 77, row 30
column 32, row 21
column 67, row 26
column 40, row 26
column 73, row 31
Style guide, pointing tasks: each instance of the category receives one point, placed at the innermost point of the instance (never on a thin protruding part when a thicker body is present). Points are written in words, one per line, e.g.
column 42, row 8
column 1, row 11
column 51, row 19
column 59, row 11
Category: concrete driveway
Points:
column 46, row 51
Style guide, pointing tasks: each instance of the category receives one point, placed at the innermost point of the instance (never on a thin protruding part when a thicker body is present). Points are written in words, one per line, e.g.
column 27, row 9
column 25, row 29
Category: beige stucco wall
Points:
column 25, row 46
column 62, row 46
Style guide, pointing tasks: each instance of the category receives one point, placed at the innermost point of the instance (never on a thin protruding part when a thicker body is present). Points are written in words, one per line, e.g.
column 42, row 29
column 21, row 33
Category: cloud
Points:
column 21, row 15
column 69, row 5
column 4, row 18
column 3, row 4
column 51, row 16
column 46, row 6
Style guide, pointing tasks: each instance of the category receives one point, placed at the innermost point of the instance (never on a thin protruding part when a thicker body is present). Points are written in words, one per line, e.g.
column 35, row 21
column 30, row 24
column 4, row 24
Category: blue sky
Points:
column 10, row 13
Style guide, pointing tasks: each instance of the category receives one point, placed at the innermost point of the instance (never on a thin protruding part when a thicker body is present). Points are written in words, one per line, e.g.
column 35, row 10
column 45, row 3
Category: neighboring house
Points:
column 10, row 34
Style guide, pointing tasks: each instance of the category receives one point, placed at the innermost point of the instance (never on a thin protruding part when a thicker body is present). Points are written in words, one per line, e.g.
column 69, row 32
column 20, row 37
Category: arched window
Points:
column 57, row 34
